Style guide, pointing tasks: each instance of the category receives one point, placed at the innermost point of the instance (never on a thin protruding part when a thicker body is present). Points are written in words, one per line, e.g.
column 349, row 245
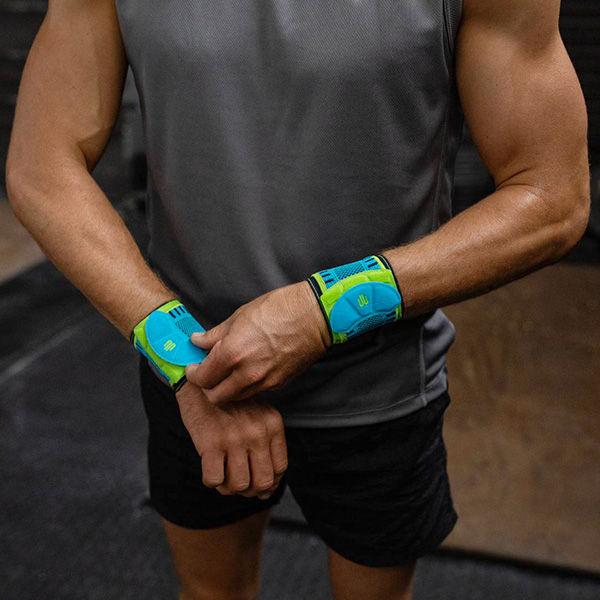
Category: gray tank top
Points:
column 287, row 136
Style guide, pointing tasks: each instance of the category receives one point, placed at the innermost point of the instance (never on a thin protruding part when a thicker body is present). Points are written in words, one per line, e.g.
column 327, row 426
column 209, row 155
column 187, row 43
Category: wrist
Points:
column 183, row 390
column 144, row 310
column 179, row 385
column 357, row 296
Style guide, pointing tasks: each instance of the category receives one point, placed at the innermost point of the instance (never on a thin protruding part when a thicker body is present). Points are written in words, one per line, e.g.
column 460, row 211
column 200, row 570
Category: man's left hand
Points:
column 262, row 346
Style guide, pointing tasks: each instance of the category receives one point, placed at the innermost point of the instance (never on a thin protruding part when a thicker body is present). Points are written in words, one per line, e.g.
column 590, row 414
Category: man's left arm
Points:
column 526, row 113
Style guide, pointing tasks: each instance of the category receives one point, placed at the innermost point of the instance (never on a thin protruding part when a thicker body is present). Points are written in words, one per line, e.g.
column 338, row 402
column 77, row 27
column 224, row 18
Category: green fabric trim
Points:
column 173, row 373
column 328, row 297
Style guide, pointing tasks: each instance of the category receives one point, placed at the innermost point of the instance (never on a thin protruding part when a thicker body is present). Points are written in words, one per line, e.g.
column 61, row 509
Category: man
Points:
column 289, row 143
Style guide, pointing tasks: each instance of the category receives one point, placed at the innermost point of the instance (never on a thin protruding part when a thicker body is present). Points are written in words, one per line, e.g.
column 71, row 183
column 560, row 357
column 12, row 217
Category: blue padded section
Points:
column 169, row 336
column 332, row 276
column 364, row 306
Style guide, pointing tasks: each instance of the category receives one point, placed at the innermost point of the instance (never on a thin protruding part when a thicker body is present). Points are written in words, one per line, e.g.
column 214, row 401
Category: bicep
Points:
column 520, row 95
column 71, row 88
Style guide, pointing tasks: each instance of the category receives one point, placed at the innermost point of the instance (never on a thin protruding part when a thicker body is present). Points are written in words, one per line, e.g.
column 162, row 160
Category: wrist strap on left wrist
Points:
column 357, row 296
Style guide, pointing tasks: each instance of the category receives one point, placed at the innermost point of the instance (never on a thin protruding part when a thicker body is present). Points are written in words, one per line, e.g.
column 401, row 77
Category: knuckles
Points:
column 251, row 436
column 273, row 384
column 218, row 441
column 255, row 435
column 273, row 421
column 234, row 354
column 254, row 376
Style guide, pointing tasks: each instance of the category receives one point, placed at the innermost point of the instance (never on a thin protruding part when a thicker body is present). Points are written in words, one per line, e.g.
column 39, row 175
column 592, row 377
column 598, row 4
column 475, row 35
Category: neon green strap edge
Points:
column 328, row 296
column 174, row 374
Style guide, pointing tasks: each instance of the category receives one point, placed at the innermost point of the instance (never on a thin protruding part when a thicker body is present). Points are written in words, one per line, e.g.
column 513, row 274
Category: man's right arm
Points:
column 68, row 104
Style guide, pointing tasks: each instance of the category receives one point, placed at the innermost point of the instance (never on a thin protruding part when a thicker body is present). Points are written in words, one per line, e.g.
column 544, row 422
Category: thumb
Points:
column 208, row 338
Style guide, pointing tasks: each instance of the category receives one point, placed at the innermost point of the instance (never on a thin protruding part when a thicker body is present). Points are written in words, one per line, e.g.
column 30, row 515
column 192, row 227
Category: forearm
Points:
column 501, row 238
column 78, row 229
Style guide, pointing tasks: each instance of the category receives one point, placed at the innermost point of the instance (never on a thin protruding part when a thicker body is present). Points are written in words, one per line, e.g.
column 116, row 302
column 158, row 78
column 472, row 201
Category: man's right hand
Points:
column 242, row 444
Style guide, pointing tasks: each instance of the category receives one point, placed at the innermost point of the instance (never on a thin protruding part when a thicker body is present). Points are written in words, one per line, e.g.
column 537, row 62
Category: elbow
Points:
column 14, row 193
column 574, row 224
column 33, row 177
column 26, row 183
column 16, row 180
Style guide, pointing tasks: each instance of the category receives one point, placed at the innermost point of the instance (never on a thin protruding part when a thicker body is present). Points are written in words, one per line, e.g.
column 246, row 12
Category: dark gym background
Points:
column 523, row 447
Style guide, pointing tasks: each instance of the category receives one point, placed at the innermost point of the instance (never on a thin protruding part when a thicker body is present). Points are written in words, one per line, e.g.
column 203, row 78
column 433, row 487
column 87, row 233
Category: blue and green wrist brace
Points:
column 357, row 297
column 163, row 337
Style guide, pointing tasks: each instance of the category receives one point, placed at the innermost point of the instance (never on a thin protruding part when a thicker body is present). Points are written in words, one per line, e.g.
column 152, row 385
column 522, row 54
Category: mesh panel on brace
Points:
column 370, row 323
column 346, row 270
column 343, row 271
column 186, row 324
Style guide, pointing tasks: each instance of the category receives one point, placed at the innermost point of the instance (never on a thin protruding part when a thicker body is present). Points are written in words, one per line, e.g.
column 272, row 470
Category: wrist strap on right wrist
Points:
column 163, row 337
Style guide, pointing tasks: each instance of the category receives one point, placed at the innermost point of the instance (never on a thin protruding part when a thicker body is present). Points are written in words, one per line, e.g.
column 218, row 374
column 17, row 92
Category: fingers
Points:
column 223, row 379
column 269, row 463
column 213, row 468
column 279, row 457
column 213, row 369
column 253, row 472
column 279, row 460
column 208, row 339
column 237, row 472
column 237, row 386
column 261, row 472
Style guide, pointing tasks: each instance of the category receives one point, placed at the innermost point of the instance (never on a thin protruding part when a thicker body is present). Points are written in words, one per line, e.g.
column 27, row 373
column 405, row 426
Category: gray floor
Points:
column 73, row 518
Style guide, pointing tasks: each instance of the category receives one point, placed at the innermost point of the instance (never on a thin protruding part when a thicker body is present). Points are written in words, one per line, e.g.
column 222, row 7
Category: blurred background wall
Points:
column 524, row 445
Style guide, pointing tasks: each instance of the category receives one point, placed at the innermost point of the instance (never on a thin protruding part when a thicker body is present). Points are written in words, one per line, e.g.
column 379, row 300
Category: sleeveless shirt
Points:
column 284, row 137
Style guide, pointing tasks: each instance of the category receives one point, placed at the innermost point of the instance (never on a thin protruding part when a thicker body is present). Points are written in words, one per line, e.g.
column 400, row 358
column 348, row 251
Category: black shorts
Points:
column 376, row 494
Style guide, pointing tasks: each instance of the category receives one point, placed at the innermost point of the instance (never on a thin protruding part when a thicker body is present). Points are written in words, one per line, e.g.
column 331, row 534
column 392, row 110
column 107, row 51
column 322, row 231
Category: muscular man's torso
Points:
column 284, row 137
